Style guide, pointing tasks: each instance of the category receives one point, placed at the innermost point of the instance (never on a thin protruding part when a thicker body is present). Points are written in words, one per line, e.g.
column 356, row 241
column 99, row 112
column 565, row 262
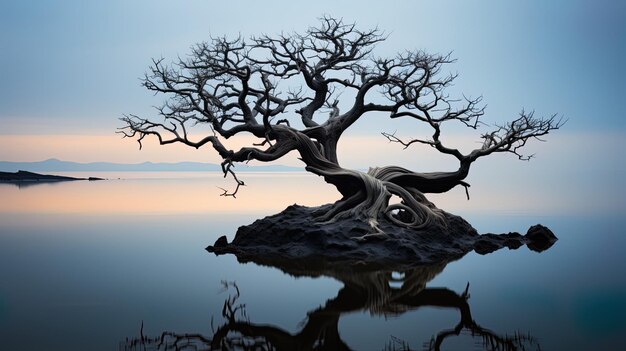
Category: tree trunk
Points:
column 330, row 149
column 366, row 195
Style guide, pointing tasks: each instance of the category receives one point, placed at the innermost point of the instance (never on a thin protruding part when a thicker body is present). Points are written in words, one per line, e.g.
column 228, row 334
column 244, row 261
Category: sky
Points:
column 70, row 69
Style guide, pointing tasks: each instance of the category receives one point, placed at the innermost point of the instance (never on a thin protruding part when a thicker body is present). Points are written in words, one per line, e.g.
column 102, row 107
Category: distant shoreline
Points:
column 54, row 165
column 25, row 176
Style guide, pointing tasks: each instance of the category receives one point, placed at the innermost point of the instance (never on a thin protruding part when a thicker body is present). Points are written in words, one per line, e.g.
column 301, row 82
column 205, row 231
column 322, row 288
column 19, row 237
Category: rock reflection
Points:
column 388, row 292
column 29, row 184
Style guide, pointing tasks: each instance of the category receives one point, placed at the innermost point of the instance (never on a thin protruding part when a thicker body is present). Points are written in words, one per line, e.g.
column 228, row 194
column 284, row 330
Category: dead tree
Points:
column 284, row 90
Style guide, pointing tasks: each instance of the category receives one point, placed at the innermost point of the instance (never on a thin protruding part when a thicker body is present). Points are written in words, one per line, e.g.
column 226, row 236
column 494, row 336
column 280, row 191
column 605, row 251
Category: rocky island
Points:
column 24, row 176
column 287, row 92
column 295, row 236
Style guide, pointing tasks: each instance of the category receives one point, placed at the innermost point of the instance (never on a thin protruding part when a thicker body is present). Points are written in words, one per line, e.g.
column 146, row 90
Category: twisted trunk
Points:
column 366, row 195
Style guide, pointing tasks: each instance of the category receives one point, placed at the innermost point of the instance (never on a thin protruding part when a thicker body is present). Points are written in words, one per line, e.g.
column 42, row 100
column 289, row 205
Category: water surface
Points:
column 84, row 264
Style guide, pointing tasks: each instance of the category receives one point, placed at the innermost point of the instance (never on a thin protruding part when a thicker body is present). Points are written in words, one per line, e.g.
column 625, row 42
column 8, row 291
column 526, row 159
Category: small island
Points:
column 24, row 176
column 285, row 92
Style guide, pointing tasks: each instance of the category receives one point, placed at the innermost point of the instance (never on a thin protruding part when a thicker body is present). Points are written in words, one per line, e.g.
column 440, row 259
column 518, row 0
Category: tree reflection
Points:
column 380, row 292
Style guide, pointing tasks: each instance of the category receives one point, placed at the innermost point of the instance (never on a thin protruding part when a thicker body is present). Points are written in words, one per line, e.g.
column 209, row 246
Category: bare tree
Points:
column 284, row 90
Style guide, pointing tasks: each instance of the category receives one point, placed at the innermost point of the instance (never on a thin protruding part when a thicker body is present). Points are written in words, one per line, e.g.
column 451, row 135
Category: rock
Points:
column 540, row 238
column 485, row 246
column 24, row 176
column 221, row 241
column 539, row 232
column 296, row 235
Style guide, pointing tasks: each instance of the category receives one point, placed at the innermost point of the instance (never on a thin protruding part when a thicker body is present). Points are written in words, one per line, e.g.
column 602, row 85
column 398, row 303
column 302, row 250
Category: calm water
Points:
column 84, row 265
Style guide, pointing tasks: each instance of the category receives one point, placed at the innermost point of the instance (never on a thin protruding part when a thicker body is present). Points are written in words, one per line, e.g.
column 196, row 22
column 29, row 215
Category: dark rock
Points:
column 294, row 235
column 539, row 232
column 540, row 238
column 221, row 241
column 24, row 176
column 485, row 246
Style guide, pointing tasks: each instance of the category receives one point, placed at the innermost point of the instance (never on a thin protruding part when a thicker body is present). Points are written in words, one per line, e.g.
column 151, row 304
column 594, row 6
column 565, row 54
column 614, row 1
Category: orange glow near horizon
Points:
column 103, row 148
column 498, row 182
column 264, row 192
column 354, row 151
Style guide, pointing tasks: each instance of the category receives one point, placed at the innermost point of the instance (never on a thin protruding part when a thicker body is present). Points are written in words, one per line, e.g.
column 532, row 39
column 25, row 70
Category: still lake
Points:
column 96, row 265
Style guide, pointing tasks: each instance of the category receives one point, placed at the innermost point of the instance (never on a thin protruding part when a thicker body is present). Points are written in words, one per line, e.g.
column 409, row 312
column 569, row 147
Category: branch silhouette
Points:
column 299, row 92
column 376, row 292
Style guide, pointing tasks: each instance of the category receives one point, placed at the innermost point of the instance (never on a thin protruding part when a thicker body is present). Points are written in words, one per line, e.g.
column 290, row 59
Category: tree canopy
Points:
column 287, row 89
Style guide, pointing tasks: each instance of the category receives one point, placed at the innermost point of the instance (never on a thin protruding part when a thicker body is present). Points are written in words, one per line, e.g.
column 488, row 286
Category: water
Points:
column 84, row 265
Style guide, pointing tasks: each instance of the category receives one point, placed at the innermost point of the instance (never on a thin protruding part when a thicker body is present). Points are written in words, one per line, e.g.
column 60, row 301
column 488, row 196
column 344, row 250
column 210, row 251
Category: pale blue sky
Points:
column 73, row 68
column 74, row 65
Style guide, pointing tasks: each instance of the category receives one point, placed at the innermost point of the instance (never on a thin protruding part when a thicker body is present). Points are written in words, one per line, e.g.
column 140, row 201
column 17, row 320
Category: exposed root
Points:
column 366, row 204
column 423, row 212
column 394, row 218
column 366, row 195
column 372, row 201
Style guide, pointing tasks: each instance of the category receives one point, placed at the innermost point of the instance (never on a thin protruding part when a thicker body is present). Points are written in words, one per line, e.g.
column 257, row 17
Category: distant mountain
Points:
column 54, row 165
